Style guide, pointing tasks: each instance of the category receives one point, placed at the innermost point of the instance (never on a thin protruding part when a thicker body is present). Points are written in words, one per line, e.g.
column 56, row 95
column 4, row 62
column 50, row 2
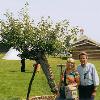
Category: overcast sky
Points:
column 82, row 13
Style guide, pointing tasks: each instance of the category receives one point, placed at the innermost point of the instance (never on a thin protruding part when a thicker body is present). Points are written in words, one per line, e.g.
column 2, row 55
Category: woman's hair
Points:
column 71, row 60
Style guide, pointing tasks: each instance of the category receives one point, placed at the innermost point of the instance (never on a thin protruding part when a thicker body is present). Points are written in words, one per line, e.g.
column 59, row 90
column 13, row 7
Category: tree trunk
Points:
column 42, row 60
column 22, row 65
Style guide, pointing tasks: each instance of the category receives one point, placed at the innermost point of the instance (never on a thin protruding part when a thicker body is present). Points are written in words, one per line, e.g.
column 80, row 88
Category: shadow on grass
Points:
column 14, row 71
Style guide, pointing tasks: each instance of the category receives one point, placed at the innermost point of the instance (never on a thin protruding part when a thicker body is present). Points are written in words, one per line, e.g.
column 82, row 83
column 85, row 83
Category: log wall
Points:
column 92, row 50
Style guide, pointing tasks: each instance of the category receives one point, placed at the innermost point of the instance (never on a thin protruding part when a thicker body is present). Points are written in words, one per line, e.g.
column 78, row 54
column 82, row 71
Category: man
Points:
column 89, row 79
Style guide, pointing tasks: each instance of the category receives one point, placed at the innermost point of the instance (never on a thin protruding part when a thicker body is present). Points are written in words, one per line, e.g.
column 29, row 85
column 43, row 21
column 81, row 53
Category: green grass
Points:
column 14, row 84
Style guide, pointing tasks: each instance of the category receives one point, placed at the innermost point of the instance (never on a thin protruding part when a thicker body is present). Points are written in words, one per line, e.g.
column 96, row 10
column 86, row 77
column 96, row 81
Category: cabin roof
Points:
column 84, row 40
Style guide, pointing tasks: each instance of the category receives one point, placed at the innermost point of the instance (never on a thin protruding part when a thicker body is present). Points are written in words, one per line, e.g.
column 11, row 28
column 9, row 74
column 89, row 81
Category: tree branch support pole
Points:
column 32, row 78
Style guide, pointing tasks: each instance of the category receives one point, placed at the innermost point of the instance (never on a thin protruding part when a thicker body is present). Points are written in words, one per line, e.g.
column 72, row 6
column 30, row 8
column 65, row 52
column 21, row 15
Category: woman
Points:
column 69, row 82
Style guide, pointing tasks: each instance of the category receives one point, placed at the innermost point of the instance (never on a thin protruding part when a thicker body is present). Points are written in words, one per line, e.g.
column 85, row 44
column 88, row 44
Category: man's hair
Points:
column 83, row 53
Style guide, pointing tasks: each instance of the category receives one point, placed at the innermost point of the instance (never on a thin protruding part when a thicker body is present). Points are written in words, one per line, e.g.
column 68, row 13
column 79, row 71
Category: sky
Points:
column 82, row 13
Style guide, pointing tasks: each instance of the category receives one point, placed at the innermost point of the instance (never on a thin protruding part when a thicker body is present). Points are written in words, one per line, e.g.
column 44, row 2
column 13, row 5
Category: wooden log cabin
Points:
column 88, row 45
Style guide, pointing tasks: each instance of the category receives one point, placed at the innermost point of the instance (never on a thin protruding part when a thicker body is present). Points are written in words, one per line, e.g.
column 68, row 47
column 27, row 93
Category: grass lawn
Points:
column 14, row 84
